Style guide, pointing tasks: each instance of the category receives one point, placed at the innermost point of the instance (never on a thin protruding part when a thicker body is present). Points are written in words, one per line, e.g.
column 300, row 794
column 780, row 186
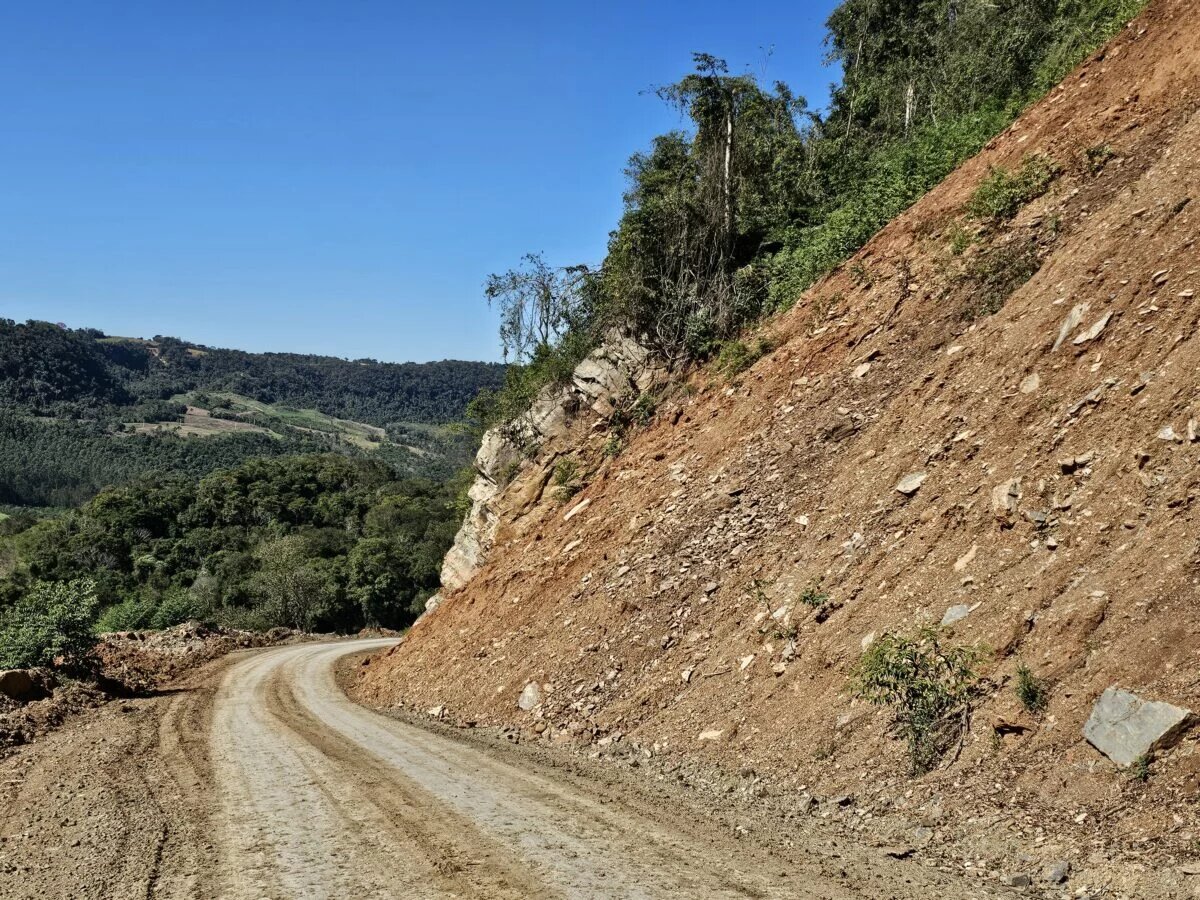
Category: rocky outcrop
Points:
column 618, row 370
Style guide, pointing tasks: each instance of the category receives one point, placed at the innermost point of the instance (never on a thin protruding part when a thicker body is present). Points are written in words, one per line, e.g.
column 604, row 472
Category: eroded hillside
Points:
column 1052, row 426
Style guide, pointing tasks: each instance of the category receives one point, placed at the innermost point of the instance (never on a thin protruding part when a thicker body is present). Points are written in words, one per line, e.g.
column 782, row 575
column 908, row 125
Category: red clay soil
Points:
column 646, row 618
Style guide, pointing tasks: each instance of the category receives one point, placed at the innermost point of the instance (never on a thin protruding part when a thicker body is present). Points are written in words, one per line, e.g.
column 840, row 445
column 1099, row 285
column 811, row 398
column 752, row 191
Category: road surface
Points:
column 260, row 779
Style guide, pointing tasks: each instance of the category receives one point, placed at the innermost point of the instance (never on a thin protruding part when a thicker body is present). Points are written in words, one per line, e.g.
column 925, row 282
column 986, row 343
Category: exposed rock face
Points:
column 1125, row 727
column 616, row 371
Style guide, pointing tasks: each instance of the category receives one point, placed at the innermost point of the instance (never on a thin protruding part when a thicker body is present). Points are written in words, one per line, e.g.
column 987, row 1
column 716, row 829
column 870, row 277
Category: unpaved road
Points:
column 258, row 778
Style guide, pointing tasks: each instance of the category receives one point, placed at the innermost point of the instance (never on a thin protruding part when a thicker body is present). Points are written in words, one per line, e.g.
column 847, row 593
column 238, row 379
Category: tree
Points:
column 538, row 304
column 294, row 590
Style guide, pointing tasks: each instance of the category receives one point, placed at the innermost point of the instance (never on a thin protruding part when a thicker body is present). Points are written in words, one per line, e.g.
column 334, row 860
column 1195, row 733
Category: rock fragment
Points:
column 911, row 483
column 1124, row 727
column 530, row 697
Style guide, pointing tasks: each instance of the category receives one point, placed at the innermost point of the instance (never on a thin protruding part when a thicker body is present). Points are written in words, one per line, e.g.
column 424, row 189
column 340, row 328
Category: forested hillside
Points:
column 80, row 411
column 733, row 217
column 319, row 542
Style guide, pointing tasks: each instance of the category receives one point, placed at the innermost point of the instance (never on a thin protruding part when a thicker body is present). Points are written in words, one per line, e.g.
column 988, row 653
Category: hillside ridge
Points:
column 986, row 419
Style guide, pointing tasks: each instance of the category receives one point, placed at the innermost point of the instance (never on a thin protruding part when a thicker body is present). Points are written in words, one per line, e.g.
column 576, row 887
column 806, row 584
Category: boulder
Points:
column 19, row 684
column 1124, row 727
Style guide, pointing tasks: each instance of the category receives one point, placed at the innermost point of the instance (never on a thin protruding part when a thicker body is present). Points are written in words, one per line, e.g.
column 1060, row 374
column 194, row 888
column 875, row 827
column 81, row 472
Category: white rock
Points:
column 530, row 697
column 712, row 734
column 966, row 559
column 1030, row 383
column 577, row 509
column 1094, row 332
column 911, row 483
column 956, row 614
column 861, row 371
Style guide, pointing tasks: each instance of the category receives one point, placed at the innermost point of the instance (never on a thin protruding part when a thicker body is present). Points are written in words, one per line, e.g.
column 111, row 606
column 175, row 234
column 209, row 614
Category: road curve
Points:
column 321, row 798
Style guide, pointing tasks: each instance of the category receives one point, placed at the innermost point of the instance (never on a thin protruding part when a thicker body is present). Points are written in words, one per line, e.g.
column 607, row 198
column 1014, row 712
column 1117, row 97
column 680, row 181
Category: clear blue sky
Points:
column 340, row 176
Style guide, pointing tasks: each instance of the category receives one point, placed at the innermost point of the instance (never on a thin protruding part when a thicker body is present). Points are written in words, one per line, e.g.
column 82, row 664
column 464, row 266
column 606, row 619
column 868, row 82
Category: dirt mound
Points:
column 985, row 422
column 128, row 663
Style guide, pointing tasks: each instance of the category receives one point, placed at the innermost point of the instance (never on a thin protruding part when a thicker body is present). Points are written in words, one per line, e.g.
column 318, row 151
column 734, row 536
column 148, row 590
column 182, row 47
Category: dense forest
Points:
column 319, row 542
column 70, row 401
column 732, row 218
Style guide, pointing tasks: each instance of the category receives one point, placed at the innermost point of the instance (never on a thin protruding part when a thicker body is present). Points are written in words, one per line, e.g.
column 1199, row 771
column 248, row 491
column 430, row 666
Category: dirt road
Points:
column 258, row 778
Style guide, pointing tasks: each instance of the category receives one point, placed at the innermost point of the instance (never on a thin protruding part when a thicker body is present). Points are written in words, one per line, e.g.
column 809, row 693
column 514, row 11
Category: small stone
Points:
column 779, row 668
column 1167, row 433
column 1056, row 872
column 1018, row 880
column 911, row 483
column 1030, row 383
column 1051, row 543
column 955, row 614
column 686, row 675
column 1162, row 276
column 966, row 559
column 711, row 587
column 867, row 640
column 1006, row 497
column 1094, row 332
column 861, row 371
column 712, row 734
column 530, row 697
column 1193, row 434
column 577, row 509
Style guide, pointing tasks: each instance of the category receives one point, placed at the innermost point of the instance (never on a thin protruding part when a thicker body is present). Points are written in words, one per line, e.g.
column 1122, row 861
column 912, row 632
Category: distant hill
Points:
column 81, row 410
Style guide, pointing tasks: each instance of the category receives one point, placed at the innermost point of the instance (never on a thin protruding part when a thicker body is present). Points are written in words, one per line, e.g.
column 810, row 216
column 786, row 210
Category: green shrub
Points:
column 1004, row 192
column 1139, row 769
column 613, row 445
column 566, row 478
column 52, row 620
column 175, row 607
column 643, row 409
column 928, row 685
column 1096, row 158
column 131, row 614
column 813, row 597
column 737, row 356
column 1033, row 692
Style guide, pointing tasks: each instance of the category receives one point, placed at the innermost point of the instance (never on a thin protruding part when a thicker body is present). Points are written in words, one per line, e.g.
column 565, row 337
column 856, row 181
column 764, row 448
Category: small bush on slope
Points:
column 928, row 685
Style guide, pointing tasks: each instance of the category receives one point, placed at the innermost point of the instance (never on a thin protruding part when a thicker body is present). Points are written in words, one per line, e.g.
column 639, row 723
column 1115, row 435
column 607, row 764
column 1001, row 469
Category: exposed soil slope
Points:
column 645, row 618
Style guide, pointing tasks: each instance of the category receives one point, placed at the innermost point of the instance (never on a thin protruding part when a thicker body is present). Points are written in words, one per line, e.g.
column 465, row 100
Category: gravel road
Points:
column 258, row 778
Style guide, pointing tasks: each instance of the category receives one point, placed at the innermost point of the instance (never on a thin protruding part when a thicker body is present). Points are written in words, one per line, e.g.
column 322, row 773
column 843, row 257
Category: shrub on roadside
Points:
column 53, row 620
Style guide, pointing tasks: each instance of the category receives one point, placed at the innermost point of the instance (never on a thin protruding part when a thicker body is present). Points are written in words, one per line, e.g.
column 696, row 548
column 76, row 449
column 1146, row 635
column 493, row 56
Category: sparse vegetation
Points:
column 994, row 275
column 737, row 356
column 1139, row 769
column 642, row 411
column 813, row 596
column 1032, row 691
column 566, row 478
column 927, row 684
column 1004, row 192
column 1096, row 158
